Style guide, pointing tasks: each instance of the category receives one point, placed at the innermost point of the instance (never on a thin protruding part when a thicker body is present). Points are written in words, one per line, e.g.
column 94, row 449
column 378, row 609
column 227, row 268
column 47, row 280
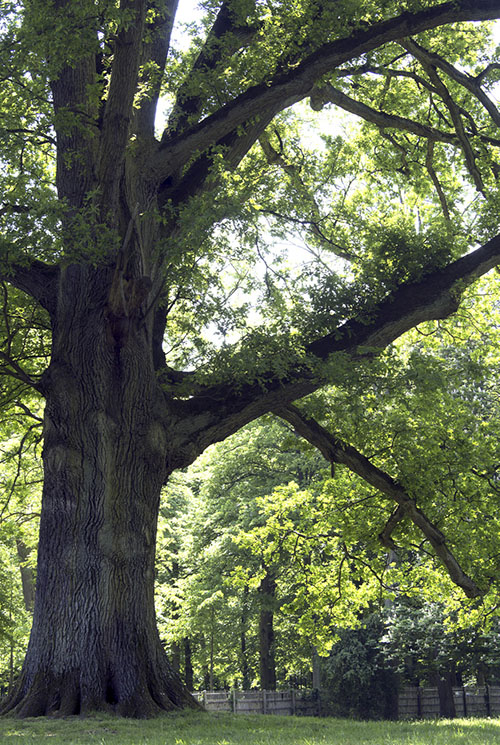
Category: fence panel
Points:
column 476, row 701
column 284, row 703
column 218, row 701
column 470, row 702
column 408, row 703
column 494, row 698
column 249, row 702
column 279, row 702
column 429, row 703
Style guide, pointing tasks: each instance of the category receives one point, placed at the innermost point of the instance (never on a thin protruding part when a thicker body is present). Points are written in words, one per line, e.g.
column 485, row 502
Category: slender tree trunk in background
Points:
column 11, row 648
column 212, row 644
column 245, row 671
column 188, row 665
column 175, row 657
column 27, row 575
column 316, row 669
column 267, row 663
column 175, row 651
column 94, row 642
column 445, row 692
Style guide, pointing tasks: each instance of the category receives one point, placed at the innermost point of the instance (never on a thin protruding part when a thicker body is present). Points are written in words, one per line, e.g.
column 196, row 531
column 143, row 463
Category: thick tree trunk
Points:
column 94, row 642
column 445, row 692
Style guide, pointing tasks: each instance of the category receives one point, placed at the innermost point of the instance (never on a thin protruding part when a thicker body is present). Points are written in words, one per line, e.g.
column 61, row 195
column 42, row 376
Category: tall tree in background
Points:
column 124, row 243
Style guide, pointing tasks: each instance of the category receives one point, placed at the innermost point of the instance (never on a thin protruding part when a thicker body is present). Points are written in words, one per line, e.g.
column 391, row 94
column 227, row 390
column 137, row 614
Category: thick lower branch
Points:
column 337, row 451
column 220, row 410
column 37, row 279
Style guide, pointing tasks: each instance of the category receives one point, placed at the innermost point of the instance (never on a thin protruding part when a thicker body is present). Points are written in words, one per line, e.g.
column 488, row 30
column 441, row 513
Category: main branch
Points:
column 286, row 89
column 217, row 411
column 37, row 279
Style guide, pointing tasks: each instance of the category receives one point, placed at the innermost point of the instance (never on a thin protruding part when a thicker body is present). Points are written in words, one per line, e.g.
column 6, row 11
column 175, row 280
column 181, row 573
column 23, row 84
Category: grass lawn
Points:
column 228, row 729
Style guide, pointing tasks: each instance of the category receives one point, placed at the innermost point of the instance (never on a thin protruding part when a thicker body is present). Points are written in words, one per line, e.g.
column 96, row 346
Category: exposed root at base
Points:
column 48, row 696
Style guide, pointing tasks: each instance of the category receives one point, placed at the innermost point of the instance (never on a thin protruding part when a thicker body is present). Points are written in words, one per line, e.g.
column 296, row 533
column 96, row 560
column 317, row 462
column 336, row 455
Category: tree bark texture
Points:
column 94, row 642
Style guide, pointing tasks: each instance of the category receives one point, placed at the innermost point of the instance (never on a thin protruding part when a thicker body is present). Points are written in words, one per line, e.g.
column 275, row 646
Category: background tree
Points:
column 225, row 586
column 129, row 243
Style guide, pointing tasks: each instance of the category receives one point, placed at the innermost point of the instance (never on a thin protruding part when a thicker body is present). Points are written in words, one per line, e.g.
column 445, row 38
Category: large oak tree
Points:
column 115, row 236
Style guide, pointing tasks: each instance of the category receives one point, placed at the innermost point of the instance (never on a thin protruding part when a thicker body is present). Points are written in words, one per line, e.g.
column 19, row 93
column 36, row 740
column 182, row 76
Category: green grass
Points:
column 227, row 729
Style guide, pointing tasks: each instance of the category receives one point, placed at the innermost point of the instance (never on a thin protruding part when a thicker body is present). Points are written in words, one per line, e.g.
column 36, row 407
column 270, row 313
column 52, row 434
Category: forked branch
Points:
column 267, row 99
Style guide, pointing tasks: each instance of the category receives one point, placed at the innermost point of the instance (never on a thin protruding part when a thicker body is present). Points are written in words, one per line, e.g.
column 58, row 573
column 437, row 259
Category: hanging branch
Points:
column 337, row 451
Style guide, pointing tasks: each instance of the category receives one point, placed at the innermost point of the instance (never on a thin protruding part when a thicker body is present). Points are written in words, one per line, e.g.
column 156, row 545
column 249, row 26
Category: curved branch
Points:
column 385, row 534
column 321, row 95
column 434, row 297
column 337, row 451
column 268, row 99
column 452, row 107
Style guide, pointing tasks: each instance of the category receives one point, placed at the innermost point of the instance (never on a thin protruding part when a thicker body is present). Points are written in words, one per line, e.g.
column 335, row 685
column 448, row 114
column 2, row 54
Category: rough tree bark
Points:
column 94, row 640
column 27, row 575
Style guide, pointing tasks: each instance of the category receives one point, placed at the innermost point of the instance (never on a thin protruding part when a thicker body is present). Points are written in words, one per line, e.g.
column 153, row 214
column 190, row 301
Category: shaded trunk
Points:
column 444, row 685
column 267, row 664
column 316, row 670
column 94, row 642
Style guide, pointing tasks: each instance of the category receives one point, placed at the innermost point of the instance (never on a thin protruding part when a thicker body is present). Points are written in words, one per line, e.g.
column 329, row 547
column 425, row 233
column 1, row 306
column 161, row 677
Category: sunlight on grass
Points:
column 194, row 728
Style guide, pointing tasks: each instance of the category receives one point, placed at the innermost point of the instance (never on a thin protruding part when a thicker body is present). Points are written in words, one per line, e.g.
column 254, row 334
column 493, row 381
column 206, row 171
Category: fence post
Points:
column 204, row 699
column 264, row 701
column 487, row 700
column 292, row 700
column 419, row 702
column 464, row 697
column 234, row 701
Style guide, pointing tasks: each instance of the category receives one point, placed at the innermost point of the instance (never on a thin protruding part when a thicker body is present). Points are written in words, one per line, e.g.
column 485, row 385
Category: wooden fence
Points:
column 286, row 703
column 413, row 703
column 424, row 702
